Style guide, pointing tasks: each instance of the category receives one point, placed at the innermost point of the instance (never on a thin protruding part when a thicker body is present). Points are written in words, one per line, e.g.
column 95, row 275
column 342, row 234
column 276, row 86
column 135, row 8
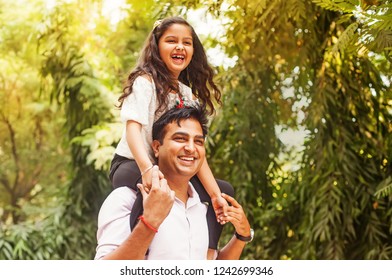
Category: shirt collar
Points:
column 193, row 198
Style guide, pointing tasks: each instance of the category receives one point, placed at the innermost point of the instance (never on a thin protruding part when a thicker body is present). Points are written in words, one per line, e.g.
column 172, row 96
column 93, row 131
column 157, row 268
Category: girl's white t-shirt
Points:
column 140, row 106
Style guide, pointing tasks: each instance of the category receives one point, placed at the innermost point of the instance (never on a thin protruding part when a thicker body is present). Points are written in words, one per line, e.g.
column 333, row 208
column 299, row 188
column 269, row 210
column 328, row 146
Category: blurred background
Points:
column 304, row 134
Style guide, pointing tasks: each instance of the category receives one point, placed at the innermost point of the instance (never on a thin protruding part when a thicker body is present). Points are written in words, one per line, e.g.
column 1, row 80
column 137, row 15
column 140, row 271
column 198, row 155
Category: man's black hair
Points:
column 196, row 112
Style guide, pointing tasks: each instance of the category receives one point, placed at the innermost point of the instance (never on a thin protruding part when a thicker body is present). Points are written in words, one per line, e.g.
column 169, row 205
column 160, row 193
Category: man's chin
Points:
column 188, row 170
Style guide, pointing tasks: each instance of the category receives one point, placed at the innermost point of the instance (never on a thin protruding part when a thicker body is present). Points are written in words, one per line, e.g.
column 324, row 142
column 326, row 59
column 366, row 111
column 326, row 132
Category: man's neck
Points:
column 180, row 186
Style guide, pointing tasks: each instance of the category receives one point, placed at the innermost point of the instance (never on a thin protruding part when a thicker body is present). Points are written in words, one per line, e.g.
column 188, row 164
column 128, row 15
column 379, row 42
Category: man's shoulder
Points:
column 121, row 191
column 119, row 202
column 122, row 195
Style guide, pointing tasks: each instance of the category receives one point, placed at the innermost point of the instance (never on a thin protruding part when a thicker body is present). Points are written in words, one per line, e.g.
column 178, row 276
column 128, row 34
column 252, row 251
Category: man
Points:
column 173, row 224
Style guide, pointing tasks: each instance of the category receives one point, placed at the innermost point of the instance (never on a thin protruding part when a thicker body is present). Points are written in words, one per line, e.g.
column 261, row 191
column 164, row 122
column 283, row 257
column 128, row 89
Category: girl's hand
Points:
column 220, row 206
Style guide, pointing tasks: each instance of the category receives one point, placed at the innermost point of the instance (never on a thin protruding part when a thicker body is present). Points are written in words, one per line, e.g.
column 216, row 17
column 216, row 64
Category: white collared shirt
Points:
column 183, row 235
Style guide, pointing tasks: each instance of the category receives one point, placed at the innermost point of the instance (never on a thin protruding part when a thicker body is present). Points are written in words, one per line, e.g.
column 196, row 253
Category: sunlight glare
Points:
column 113, row 10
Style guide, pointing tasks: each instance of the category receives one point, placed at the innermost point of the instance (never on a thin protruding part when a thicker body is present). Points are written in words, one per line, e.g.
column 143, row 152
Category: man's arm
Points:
column 236, row 215
column 157, row 205
column 135, row 246
column 232, row 250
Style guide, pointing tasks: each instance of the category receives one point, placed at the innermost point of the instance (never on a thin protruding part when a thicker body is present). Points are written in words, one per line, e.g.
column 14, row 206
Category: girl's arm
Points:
column 211, row 186
column 136, row 145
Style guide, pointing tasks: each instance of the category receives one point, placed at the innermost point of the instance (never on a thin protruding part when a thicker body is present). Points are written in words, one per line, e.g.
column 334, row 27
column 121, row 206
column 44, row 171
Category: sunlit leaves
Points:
column 100, row 141
column 370, row 27
column 81, row 60
column 322, row 56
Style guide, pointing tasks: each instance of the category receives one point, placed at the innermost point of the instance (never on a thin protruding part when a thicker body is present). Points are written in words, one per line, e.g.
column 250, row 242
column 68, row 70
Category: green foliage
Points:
column 315, row 68
column 347, row 156
column 371, row 29
column 86, row 104
column 30, row 127
column 384, row 188
column 79, row 82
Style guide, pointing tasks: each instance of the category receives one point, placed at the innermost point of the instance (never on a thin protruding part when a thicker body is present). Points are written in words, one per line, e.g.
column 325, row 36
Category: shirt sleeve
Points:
column 136, row 105
column 113, row 221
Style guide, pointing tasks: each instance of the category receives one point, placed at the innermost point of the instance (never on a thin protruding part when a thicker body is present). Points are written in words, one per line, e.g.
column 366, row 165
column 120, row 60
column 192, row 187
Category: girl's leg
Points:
column 125, row 172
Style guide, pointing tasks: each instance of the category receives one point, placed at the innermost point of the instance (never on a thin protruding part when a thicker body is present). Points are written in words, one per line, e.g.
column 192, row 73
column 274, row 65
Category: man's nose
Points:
column 190, row 146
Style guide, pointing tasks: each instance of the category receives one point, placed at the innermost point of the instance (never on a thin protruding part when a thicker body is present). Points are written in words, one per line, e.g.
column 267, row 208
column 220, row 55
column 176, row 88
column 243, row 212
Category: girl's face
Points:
column 176, row 48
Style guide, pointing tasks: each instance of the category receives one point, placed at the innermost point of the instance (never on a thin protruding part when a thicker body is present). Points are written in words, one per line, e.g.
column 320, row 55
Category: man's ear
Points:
column 155, row 147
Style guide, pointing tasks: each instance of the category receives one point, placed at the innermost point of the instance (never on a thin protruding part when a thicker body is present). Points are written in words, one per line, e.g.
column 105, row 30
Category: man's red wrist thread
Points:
column 147, row 224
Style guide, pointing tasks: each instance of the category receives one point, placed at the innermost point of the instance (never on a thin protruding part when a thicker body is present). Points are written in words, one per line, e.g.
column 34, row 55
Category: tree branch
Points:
column 4, row 181
column 13, row 148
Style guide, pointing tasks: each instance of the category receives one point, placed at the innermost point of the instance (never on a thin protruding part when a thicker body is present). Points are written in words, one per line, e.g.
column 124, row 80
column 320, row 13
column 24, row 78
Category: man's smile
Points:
column 187, row 158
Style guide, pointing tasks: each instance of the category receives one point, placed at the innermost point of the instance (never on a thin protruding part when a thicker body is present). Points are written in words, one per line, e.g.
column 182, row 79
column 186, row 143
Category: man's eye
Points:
column 179, row 139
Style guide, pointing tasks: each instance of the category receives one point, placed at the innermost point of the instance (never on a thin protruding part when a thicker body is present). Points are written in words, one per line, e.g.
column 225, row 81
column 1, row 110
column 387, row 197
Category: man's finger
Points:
column 231, row 200
column 164, row 185
column 155, row 177
column 142, row 191
column 235, row 215
column 161, row 176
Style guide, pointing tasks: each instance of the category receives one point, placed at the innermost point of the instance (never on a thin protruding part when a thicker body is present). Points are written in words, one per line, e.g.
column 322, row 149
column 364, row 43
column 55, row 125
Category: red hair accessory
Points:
column 182, row 103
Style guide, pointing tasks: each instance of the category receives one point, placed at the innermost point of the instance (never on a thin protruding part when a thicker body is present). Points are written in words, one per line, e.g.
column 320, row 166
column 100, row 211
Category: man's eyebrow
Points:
column 200, row 136
column 178, row 133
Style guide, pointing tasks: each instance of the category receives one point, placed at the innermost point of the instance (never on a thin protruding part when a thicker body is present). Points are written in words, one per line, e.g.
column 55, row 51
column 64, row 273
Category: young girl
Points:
column 172, row 71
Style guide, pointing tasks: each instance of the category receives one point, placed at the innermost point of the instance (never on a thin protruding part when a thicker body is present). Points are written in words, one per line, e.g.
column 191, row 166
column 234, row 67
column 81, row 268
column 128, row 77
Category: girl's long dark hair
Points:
column 198, row 75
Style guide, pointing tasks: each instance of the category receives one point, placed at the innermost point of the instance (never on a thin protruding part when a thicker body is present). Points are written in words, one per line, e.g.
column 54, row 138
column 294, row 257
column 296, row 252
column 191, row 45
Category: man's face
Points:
column 182, row 151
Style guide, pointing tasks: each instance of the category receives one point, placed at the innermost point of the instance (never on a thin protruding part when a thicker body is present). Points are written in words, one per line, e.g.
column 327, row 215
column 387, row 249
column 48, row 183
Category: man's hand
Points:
column 236, row 216
column 147, row 179
column 159, row 201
